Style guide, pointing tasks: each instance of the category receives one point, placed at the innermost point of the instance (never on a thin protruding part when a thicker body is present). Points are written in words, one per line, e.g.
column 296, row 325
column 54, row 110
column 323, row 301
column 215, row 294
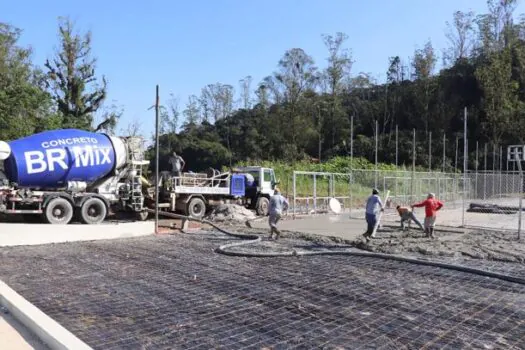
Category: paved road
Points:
column 15, row 336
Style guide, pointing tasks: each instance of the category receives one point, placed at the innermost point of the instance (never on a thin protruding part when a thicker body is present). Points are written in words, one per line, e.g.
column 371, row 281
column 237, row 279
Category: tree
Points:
column 339, row 67
column 424, row 63
column 71, row 78
column 109, row 119
column 169, row 116
column 339, row 61
column 191, row 112
column 216, row 101
column 461, row 36
column 296, row 75
column 263, row 99
column 25, row 107
column 133, row 128
column 245, row 85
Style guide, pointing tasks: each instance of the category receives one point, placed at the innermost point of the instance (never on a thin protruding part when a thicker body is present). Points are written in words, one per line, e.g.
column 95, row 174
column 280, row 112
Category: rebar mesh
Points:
column 173, row 292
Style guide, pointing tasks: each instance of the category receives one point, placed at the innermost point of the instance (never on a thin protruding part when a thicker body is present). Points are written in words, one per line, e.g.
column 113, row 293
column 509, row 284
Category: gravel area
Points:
column 175, row 292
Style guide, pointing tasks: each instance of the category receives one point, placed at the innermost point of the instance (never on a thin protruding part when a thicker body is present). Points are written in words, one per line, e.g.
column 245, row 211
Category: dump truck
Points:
column 67, row 173
column 193, row 194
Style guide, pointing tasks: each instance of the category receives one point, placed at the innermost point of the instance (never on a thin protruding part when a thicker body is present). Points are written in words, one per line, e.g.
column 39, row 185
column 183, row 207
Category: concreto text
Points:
column 53, row 158
column 68, row 141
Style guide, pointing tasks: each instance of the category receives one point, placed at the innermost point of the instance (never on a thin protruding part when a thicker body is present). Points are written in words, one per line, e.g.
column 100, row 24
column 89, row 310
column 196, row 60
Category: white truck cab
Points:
column 258, row 195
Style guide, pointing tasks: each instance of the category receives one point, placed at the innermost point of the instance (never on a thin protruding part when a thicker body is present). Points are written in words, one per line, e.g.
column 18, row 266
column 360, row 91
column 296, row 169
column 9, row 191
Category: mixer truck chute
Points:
column 64, row 173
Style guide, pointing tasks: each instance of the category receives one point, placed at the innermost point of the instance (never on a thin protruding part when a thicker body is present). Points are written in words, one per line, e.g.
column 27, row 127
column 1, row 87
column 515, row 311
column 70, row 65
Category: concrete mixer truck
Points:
column 67, row 173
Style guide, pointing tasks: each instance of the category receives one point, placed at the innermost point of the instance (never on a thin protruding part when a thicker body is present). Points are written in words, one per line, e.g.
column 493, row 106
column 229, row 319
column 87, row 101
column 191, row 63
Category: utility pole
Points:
column 397, row 155
column 352, row 141
column 465, row 163
column 413, row 163
column 430, row 151
column 485, row 158
column 444, row 150
column 377, row 129
column 157, row 106
column 456, row 158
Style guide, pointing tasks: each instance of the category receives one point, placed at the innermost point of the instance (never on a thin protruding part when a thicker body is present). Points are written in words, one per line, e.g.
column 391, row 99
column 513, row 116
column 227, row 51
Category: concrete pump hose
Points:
column 253, row 238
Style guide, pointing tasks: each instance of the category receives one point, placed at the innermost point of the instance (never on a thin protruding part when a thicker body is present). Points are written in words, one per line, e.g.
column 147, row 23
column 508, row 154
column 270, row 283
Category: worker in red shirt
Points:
column 432, row 205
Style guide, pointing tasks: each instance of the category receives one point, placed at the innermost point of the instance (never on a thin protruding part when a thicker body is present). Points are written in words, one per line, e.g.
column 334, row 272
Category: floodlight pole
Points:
column 518, row 157
column 157, row 161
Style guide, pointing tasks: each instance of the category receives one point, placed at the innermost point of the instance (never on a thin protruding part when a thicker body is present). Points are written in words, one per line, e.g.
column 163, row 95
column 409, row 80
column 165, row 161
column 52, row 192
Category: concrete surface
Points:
column 322, row 224
column 452, row 215
column 38, row 323
column 31, row 234
column 14, row 336
column 334, row 225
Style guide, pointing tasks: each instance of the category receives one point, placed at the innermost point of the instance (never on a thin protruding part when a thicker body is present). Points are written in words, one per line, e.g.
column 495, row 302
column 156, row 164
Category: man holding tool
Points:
column 373, row 207
column 432, row 206
column 406, row 215
column 278, row 204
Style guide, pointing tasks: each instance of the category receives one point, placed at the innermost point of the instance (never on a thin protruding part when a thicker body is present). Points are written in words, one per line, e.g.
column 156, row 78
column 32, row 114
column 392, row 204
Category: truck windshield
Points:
column 255, row 175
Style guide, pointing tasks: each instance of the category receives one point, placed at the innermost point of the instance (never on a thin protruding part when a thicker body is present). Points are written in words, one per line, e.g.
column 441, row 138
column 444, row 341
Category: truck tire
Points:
column 196, row 208
column 93, row 211
column 59, row 211
column 262, row 206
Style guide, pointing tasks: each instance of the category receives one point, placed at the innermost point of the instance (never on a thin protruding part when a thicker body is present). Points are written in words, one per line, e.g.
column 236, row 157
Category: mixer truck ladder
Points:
column 137, row 161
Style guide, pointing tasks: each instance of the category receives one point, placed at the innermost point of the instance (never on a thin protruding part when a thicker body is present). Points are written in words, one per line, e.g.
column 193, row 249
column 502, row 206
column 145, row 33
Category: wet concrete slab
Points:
column 323, row 224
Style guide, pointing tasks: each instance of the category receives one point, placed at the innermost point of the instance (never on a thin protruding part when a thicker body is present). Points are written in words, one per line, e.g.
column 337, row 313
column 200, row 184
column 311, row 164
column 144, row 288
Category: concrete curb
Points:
column 35, row 234
column 44, row 327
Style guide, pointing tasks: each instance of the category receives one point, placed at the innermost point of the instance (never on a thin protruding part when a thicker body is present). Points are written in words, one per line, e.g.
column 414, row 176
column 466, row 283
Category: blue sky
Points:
column 184, row 45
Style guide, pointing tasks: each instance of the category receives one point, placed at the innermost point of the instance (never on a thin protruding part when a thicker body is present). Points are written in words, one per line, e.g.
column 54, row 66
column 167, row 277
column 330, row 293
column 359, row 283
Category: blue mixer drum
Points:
column 51, row 159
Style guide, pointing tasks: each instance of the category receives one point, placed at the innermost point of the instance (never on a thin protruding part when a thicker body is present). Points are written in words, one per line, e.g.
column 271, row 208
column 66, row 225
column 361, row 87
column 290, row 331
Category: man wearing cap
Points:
column 277, row 205
column 373, row 207
column 406, row 215
column 432, row 205
column 177, row 164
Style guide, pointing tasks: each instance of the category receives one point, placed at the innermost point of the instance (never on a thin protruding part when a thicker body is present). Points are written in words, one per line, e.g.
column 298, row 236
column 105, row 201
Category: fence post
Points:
column 294, row 195
column 350, row 193
column 520, row 207
column 315, row 194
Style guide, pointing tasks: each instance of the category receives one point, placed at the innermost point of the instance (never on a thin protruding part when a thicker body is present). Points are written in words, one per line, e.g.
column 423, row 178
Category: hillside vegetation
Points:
column 304, row 109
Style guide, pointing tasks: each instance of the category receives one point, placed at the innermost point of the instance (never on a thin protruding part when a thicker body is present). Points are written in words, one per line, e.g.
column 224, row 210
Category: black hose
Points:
column 252, row 239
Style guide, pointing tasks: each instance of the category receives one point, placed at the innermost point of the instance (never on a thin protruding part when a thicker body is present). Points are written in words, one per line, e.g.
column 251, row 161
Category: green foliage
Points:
column 25, row 107
column 305, row 112
column 71, row 78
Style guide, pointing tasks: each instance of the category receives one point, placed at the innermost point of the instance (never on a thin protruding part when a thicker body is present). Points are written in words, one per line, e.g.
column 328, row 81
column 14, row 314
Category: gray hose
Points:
column 252, row 239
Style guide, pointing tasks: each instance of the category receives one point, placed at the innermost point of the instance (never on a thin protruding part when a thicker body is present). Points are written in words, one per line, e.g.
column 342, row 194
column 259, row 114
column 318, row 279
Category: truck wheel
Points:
column 196, row 208
column 93, row 211
column 262, row 206
column 59, row 211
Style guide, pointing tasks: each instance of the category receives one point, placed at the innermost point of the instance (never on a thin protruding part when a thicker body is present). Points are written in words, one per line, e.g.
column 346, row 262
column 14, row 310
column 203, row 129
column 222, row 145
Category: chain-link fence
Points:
column 313, row 190
column 477, row 199
column 406, row 188
column 494, row 200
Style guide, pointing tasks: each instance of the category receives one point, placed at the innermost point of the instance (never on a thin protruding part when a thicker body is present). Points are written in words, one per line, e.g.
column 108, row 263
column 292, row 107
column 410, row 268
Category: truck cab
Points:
column 258, row 194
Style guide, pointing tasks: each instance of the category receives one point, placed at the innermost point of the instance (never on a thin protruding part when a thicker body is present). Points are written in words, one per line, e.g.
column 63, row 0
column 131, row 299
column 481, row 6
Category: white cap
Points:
column 5, row 150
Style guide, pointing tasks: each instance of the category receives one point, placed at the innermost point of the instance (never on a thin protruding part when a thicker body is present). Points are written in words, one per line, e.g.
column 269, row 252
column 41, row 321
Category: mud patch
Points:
column 475, row 244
